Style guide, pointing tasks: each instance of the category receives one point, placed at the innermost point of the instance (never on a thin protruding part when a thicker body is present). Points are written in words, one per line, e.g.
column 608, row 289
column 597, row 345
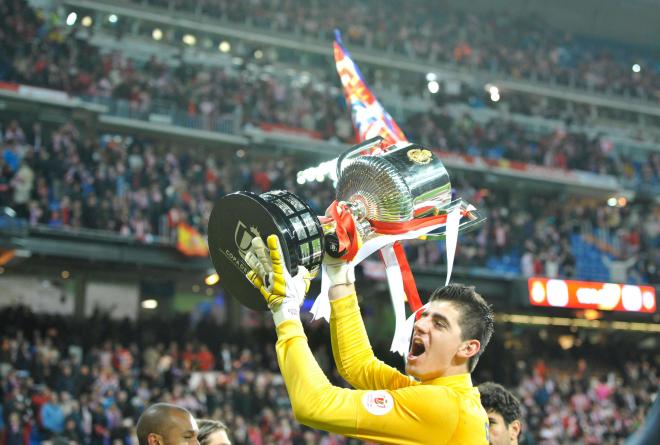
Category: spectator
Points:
column 167, row 423
column 52, row 416
column 213, row 432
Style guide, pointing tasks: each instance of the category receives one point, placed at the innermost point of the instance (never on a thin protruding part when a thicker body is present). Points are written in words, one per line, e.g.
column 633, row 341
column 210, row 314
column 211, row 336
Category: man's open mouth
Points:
column 417, row 348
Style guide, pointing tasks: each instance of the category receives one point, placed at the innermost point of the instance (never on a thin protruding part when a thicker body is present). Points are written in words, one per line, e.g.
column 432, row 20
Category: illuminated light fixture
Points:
column 224, row 46
column 648, row 300
column 607, row 298
column 592, row 314
column 212, row 279
column 258, row 54
column 240, row 153
column 430, row 77
column 612, row 201
column 433, row 86
column 493, row 91
column 87, row 21
column 538, row 292
column 557, row 293
column 65, row 274
column 325, row 170
column 189, row 39
column 149, row 304
column 112, row 18
column 566, row 341
column 636, row 68
column 631, row 298
column 622, row 201
column 157, row 34
column 71, row 18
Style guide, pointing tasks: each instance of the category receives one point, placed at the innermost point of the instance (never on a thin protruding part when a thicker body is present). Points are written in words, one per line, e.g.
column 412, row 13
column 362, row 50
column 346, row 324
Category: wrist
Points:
column 288, row 310
column 338, row 291
column 340, row 274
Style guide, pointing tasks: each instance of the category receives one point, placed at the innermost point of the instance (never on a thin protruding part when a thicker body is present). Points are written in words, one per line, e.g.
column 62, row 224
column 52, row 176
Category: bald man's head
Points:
column 166, row 424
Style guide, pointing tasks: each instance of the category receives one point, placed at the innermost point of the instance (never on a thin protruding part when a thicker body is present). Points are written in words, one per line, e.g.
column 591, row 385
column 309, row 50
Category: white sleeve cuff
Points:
column 288, row 310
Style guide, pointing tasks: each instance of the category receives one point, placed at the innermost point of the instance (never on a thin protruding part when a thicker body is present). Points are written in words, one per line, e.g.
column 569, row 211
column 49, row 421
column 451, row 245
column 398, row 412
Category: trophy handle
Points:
column 472, row 221
column 351, row 152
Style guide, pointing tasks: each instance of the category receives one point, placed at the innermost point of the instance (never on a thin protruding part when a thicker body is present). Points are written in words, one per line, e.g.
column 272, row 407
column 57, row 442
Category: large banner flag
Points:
column 369, row 116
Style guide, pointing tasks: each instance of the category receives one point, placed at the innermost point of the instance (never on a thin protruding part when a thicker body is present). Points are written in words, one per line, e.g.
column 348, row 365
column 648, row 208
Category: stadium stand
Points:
column 74, row 379
column 523, row 47
column 87, row 381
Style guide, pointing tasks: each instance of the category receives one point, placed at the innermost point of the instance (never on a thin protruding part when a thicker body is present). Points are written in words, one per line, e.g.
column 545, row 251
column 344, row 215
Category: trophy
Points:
column 393, row 189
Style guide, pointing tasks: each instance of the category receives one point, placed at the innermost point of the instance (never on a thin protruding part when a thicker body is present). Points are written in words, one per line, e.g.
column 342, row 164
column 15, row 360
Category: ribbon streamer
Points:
column 451, row 231
column 409, row 286
column 321, row 307
column 395, row 282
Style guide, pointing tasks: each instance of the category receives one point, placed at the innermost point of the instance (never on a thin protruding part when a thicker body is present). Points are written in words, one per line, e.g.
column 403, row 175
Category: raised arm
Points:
column 420, row 414
column 351, row 349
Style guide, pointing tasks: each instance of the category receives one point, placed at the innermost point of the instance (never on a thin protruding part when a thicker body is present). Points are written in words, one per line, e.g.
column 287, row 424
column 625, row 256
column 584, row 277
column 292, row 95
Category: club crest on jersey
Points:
column 378, row 403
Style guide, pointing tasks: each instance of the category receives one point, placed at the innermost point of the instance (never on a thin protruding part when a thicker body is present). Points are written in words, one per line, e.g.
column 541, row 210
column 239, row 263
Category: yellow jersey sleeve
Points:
column 420, row 414
column 352, row 351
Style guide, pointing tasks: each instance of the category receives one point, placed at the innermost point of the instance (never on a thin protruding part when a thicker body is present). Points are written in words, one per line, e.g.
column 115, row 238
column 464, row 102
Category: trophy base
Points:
column 239, row 217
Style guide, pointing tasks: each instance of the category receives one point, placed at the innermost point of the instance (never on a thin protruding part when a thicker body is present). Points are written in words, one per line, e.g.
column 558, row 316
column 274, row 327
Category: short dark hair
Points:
column 155, row 419
column 476, row 316
column 495, row 397
column 208, row 427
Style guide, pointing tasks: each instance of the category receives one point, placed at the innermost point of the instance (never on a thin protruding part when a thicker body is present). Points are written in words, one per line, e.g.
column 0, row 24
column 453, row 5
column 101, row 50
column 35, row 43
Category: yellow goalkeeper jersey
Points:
column 387, row 406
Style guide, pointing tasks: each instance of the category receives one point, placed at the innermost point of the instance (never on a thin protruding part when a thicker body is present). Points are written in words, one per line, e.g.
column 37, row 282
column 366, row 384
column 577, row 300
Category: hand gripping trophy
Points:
column 405, row 189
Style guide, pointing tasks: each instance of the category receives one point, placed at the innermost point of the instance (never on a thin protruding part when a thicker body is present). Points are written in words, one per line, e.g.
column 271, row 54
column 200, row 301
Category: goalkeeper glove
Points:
column 283, row 293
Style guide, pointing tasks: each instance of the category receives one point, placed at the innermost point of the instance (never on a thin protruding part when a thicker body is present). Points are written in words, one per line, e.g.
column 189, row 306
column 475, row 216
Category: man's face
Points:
column 436, row 340
column 183, row 430
column 501, row 433
column 218, row 438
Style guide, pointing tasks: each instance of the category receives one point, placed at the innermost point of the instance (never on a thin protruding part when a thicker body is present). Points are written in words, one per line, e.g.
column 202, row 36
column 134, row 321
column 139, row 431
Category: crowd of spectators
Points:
column 537, row 237
column 62, row 386
column 575, row 403
column 41, row 54
column 506, row 140
column 524, row 47
column 143, row 188
column 66, row 380
column 134, row 187
column 38, row 52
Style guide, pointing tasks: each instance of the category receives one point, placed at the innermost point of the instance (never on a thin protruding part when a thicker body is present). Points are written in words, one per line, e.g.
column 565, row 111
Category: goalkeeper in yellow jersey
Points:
column 434, row 404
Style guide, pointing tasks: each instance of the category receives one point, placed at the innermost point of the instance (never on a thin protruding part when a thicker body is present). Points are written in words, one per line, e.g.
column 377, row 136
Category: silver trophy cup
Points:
column 395, row 186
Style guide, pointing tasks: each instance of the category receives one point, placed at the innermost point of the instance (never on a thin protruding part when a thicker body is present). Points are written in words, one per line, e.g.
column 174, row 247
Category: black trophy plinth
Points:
column 239, row 217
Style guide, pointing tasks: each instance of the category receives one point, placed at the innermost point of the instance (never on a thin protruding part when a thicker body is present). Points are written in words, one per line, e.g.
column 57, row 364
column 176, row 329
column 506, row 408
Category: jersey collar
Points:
column 454, row 381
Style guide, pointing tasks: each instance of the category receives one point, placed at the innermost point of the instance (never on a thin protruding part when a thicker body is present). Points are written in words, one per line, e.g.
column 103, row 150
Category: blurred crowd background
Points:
column 71, row 380
column 87, row 381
